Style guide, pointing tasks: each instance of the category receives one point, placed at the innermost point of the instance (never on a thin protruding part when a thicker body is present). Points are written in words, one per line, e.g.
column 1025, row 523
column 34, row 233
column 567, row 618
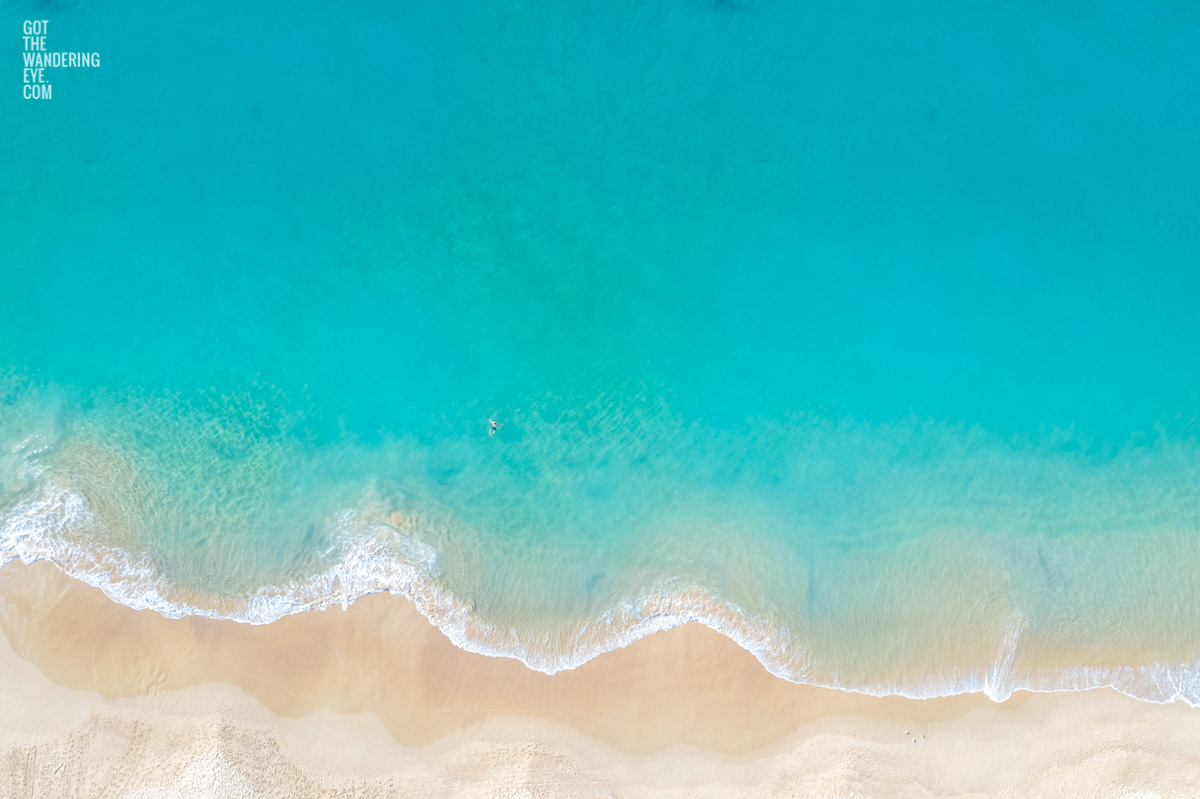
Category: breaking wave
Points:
column 382, row 554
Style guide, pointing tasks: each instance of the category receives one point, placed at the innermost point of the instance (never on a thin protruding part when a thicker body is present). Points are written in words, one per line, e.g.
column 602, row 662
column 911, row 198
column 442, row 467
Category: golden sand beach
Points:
column 102, row 700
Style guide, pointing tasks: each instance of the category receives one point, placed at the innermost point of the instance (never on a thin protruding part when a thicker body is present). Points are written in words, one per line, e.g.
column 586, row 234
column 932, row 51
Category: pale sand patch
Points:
column 101, row 700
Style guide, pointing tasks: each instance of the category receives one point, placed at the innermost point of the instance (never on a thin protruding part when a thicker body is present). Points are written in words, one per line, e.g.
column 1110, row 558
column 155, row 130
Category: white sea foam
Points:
column 381, row 554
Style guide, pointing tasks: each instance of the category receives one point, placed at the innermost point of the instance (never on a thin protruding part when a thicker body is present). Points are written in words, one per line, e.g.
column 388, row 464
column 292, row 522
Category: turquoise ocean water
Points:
column 865, row 333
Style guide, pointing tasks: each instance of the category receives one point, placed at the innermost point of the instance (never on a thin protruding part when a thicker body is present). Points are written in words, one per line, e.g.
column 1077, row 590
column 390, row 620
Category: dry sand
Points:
column 101, row 700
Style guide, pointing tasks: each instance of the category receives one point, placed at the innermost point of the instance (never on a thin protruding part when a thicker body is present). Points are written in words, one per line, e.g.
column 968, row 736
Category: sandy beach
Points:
column 102, row 700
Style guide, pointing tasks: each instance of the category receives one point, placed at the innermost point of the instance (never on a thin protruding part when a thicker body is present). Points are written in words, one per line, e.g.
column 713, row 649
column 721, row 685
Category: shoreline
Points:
column 380, row 560
column 376, row 697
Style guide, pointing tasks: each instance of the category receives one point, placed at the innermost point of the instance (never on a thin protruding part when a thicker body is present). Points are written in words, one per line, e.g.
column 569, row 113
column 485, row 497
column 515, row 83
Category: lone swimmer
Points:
column 494, row 427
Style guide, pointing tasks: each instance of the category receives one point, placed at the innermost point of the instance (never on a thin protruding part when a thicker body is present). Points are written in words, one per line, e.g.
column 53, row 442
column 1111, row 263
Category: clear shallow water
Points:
column 863, row 334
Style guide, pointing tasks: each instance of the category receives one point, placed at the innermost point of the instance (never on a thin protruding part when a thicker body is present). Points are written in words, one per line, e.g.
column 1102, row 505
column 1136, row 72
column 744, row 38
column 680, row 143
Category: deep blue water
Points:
column 873, row 324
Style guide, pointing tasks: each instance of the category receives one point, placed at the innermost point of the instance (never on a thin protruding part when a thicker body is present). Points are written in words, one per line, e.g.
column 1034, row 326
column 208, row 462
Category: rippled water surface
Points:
column 866, row 334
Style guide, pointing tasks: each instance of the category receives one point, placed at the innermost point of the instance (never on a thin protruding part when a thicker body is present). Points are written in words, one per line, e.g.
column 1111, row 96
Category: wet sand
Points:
column 100, row 699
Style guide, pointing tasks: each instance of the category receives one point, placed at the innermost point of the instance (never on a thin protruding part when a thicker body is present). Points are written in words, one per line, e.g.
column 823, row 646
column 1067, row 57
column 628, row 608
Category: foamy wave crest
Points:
column 379, row 553
column 376, row 555
column 58, row 526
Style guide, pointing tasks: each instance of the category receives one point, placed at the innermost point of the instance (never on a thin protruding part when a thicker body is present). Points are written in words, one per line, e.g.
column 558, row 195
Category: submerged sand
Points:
column 102, row 700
